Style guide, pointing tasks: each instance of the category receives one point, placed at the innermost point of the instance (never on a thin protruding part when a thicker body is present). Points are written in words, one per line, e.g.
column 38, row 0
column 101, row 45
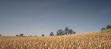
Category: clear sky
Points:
column 37, row 17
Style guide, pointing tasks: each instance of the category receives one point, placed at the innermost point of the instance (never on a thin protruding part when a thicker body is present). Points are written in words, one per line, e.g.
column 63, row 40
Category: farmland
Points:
column 88, row 40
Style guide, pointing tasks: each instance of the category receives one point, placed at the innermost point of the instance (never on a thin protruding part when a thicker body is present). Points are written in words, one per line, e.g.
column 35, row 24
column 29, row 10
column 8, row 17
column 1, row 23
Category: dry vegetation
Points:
column 92, row 40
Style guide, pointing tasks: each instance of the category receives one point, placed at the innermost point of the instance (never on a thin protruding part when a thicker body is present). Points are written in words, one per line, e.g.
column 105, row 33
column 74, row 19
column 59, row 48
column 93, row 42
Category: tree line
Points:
column 65, row 31
column 59, row 32
column 107, row 27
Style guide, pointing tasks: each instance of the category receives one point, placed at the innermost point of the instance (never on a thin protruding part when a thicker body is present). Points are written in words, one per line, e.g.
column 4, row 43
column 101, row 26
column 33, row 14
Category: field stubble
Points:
column 92, row 40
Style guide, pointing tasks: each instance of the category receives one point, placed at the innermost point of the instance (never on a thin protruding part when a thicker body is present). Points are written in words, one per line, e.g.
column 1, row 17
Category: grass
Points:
column 106, row 31
column 90, row 40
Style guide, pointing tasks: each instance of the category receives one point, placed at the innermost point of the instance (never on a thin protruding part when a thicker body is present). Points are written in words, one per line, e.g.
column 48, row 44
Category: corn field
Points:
column 91, row 40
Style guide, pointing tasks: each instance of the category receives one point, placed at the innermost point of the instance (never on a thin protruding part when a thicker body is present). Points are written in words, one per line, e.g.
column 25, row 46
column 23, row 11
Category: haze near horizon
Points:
column 39, row 17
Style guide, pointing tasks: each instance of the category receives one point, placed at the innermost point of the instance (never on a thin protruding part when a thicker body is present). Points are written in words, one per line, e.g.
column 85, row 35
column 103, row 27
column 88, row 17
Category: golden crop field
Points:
column 90, row 40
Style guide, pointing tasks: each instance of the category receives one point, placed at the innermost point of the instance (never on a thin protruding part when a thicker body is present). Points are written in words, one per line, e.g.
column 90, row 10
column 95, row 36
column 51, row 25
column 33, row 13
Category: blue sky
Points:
column 37, row 17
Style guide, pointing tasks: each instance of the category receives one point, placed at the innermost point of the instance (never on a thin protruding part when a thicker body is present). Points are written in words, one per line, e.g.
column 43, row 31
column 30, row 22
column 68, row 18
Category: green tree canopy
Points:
column 102, row 28
column 108, row 26
column 42, row 34
column 51, row 34
column 66, row 30
column 21, row 34
column 60, row 32
column 17, row 35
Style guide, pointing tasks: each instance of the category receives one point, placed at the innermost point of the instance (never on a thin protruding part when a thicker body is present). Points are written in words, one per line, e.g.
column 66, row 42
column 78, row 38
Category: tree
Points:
column 60, row 32
column 70, row 31
column 17, row 35
column 102, row 28
column 108, row 26
column 51, row 34
column 35, row 35
column 74, row 32
column 42, row 34
column 21, row 35
column 66, row 30
column 0, row 35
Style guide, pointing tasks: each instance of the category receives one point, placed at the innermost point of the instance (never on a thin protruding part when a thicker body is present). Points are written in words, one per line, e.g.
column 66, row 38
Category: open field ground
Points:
column 90, row 40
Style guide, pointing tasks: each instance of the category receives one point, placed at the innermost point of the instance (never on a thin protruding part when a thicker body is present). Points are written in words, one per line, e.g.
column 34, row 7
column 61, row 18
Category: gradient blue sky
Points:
column 37, row 17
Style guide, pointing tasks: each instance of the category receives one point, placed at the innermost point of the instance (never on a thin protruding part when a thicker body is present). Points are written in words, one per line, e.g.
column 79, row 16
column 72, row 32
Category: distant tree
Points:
column 60, row 32
column 0, row 35
column 102, row 28
column 108, row 26
column 74, row 32
column 21, row 35
column 70, row 31
column 66, row 30
column 35, row 35
column 42, row 34
column 17, row 35
column 51, row 34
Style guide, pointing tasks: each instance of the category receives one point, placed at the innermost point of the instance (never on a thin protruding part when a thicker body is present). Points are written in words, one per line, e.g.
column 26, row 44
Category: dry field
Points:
column 91, row 40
